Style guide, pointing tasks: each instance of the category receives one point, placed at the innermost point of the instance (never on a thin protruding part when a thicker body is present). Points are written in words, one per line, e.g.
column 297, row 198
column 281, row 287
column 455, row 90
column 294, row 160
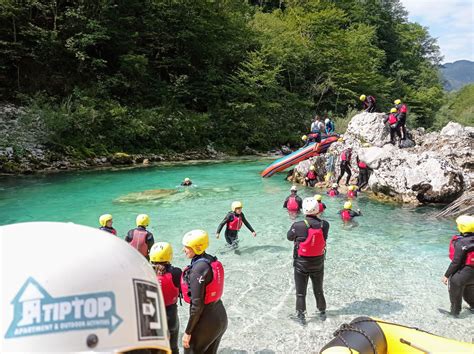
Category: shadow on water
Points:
column 368, row 307
column 239, row 351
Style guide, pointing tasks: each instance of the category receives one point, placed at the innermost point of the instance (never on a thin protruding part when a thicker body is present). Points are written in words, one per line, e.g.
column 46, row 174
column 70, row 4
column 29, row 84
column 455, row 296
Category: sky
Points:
column 451, row 22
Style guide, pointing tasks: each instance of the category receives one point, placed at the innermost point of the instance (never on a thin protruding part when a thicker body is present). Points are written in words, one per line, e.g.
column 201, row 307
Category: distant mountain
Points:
column 457, row 74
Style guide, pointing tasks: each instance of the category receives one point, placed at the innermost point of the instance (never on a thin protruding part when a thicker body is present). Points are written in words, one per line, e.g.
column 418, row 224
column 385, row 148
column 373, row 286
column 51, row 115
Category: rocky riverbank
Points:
column 438, row 169
column 24, row 149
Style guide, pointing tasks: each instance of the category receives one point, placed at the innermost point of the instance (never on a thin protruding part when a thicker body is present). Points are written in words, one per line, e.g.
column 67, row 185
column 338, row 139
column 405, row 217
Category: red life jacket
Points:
column 469, row 256
column 403, row 108
column 169, row 290
column 314, row 245
column 214, row 289
column 392, row 119
column 321, row 207
column 362, row 164
column 292, row 204
column 346, row 215
column 139, row 241
column 351, row 194
column 236, row 223
column 346, row 156
column 311, row 175
column 332, row 192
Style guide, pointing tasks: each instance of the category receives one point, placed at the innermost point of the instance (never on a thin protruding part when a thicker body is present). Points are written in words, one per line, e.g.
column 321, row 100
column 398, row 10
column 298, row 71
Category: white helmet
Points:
column 310, row 206
column 326, row 121
column 293, row 188
column 71, row 288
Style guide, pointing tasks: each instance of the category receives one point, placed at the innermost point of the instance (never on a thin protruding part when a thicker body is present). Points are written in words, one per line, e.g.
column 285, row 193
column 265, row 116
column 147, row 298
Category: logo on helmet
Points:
column 36, row 312
column 148, row 307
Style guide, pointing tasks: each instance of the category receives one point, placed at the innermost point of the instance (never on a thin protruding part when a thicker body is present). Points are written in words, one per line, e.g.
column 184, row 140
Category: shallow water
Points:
column 389, row 266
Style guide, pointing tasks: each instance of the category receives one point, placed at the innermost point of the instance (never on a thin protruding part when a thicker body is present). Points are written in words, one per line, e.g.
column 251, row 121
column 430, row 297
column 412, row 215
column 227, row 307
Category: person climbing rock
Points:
column 322, row 206
column 332, row 192
column 105, row 222
column 460, row 274
column 345, row 165
column 392, row 121
column 202, row 284
column 347, row 214
column 402, row 111
column 169, row 278
column 309, row 237
column 363, row 173
column 311, row 178
column 329, row 126
column 140, row 238
column 352, row 192
column 293, row 202
column 187, row 182
column 368, row 103
column 233, row 221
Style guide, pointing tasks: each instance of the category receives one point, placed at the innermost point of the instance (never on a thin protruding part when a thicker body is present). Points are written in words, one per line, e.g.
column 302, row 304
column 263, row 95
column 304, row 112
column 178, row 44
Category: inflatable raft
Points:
column 369, row 335
column 299, row 155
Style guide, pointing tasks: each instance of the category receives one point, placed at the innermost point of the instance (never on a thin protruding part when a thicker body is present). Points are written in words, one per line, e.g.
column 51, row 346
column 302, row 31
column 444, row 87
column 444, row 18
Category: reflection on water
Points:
column 389, row 266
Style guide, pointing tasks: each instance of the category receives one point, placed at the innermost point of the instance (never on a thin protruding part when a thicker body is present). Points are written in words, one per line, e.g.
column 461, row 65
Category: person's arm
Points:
column 291, row 234
column 150, row 240
column 223, row 222
column 355, row 213
column 286, row 202
column 129, row 236
column 176, row 276
column 244, row 220
column 201, row 271
column 300, row 202
column 458, row 260
column 325, row 227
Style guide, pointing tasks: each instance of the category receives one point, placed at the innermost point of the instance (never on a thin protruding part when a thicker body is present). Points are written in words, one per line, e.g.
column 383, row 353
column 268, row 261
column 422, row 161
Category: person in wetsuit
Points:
column 345, row 165
column 293, row 202
column 321, row 205
column 140, row 238
column 402, row 111
column 309, row 237
column 332, row 192
column 393, row 122
column 311, row 138
column 363, row 173
column 460, row 274
column 187, row 182
column 202, row 284
column 169, row 278
column 329, row 126
column 311, row 177
column 368, row 103
column 105, row 222
column 347, row 214
column 233, row 221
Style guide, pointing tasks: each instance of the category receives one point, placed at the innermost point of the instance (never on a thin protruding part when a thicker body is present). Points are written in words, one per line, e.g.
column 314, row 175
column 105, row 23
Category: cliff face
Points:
column 436, row 170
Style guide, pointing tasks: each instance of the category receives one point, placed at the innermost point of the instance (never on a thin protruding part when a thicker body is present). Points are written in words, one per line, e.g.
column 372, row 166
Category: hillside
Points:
column 457, row 74
column 459, row 107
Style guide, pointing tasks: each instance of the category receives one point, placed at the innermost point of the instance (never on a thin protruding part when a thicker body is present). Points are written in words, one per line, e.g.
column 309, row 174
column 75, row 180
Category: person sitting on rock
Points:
column 368, row 103
column 392, row 121
column 333, row 191
column 187, row 182
column 311, row 177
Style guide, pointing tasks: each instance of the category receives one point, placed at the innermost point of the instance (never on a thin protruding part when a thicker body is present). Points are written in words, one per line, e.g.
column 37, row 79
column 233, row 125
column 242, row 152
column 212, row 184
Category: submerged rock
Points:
column 146, row 196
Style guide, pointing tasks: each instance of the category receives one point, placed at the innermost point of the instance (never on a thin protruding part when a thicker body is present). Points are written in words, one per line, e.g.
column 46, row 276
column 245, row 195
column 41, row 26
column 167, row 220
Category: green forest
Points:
column 172, row 75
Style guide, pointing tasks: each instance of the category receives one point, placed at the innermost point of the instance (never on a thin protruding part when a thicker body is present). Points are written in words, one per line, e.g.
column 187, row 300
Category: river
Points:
column 390, row 266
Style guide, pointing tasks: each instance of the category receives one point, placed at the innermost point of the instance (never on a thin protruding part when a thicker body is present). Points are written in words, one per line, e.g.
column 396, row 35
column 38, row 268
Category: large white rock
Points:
column 368, row 128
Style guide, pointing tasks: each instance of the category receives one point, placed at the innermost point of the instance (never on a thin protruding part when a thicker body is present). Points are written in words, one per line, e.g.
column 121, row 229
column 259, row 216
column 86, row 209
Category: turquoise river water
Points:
column 389, row 266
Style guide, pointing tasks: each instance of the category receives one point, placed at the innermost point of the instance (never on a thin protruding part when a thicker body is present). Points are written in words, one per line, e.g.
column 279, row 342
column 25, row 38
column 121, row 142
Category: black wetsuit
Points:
column 394, row 128
column 352, row 213
column 150, row 240
column 186, row 184
column 402, row 118
column 461, row 276
column 172, row 310
column 207, row 323
column 308, row 267
column 345, row 167
column 363, row 175
column 299, row 201
column 369, row 104
column 108, row 229
column 231, row 236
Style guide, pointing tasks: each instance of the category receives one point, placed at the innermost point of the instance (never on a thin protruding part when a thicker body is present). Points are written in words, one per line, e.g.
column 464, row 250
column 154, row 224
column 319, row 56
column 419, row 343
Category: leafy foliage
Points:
column 130, row 75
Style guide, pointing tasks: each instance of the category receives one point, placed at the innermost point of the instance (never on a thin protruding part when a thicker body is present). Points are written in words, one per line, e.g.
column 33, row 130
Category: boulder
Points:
column 121, row 158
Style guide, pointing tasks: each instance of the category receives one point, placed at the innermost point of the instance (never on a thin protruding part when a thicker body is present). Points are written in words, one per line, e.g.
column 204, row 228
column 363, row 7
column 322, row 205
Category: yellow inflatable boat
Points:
column 366, row 335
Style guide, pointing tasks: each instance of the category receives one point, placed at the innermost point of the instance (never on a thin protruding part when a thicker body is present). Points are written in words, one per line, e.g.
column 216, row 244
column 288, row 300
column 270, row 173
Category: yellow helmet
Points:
column 318, row 197
column 465, row 223
column 362, row 97
column 352, row 188
column 143, row 220
column 197, row 240
column 236, row 205
column 304, row 138
column 312, row 168
column 104, row 219
column 397, row 101
column 161, row 252
column 348, row 205
column 393, row 110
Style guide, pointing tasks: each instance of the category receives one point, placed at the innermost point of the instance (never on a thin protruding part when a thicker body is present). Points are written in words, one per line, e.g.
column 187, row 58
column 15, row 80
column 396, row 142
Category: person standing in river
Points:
column 140, row 238
column 309, row 237
column 233, row 221
column 460, row 274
